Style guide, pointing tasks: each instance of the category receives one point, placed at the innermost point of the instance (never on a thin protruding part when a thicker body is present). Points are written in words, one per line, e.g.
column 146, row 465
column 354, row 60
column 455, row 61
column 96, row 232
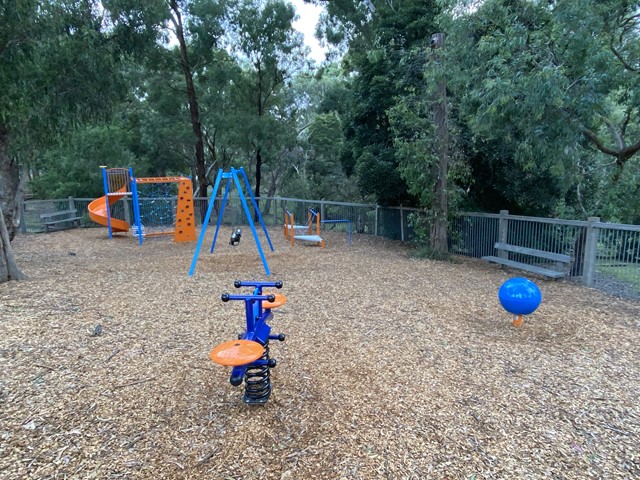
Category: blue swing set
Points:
column 233, row 174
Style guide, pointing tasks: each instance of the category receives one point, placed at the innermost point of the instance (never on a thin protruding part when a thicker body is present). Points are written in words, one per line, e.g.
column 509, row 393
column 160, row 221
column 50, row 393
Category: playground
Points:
column 393, row 367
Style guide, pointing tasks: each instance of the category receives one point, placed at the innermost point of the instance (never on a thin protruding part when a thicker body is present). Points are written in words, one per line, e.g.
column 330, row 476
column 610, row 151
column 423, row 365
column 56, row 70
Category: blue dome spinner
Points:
column 519, row 296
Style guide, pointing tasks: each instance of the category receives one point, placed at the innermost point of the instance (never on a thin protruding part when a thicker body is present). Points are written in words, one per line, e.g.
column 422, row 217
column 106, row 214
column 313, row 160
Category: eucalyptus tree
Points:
column 179, row 36
column 378, row 35
column 270, row 52
column 58, row 67
column 316, row 172
column 549, row 94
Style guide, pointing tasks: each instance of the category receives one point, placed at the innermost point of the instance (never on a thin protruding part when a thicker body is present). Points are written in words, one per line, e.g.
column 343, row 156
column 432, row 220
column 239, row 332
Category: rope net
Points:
column 158, row 203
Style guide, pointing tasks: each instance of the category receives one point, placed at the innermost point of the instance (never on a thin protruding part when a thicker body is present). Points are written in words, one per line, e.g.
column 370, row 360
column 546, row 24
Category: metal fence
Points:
column 389, row 222
column 604, row 255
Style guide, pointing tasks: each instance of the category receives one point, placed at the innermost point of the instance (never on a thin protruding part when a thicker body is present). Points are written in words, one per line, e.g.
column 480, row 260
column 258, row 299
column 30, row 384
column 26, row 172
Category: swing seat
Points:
column 279, row 301
column 235, row 353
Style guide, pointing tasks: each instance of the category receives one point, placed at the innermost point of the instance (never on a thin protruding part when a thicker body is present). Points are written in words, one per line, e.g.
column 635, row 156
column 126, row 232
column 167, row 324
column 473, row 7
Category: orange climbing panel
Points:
column 185, row 220
column 277, row 302
column 236, row 352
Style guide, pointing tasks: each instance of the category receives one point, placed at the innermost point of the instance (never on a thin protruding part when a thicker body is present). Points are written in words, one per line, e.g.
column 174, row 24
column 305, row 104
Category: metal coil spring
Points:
column 257, row 380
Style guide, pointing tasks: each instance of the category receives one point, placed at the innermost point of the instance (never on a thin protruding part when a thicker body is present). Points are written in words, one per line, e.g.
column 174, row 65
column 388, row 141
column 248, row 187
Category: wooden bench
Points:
column 62, row 219
column 562, row 261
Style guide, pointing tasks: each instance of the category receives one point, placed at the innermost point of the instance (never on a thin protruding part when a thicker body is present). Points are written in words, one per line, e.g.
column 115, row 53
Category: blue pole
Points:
column 246, row 210
column 224, row 202
column 192, row 269
column 105, row 185
column 136, row 204
column 255, row 205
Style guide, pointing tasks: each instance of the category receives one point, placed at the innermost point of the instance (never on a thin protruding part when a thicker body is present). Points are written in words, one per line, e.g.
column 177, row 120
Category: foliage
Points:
column 543, row 99
column 72, row 168
column 420, row 224
column 380, row 33
column 540, row 89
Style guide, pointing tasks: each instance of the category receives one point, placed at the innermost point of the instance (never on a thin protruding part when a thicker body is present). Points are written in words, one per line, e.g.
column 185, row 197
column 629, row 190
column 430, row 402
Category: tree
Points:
column 57, row 67
column 272, row 51
column 379, row 35
column 178, row 30
column 547, row 91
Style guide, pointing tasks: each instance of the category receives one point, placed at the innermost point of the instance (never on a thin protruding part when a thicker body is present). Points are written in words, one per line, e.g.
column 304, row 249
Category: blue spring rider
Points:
column 519, row 297
column 249, row 354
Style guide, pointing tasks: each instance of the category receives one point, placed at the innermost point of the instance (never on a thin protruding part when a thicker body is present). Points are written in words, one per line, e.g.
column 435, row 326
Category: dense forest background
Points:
column 526, row 105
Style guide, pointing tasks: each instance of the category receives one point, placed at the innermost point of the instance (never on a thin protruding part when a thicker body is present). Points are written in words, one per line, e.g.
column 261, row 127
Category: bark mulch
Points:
column 393, row 367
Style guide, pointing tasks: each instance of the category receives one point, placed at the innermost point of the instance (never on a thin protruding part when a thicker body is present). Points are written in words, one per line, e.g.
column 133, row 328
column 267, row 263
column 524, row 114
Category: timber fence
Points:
column 604, row 255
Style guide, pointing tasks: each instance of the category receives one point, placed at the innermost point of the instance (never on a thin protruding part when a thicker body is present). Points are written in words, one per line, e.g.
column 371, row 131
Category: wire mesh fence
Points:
column 611, row 261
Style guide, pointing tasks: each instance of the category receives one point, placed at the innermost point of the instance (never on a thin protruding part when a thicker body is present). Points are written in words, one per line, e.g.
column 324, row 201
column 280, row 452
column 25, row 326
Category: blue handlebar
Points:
column 240, row 283
column 269, row 298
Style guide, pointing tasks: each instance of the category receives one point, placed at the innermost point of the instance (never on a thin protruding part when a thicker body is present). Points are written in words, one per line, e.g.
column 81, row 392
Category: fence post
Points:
column 401, row 224
column 72, row 204
column 23, row 217
column 375, row 232
column 503, row 230
column 127, row 215
column 323, row 213
column 590, row 251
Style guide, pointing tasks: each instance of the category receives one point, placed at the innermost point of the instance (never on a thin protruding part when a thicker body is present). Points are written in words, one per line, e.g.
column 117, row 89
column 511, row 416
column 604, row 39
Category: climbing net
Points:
column 158, row 202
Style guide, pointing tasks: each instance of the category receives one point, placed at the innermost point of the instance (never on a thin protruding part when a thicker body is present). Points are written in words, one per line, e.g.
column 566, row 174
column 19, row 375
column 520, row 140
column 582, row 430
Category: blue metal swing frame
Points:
column 229, row 176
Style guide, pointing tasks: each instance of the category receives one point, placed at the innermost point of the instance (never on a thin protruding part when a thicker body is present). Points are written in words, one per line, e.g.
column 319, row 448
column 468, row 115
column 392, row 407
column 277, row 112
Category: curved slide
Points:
column 98, row 212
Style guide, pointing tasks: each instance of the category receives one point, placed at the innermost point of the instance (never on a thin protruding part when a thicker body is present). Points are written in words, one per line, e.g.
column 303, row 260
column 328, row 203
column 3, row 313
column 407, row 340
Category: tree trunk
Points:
column 192, row 98
column 273, row 186
column 440, row 206
column 8, row 268
column 9, row 190
column 258, row 175
column 9, row 184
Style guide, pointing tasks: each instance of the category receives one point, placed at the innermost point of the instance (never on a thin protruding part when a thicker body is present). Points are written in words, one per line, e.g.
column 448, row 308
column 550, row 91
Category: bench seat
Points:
column 70, row 217
column 560, row 259
column 525, row 266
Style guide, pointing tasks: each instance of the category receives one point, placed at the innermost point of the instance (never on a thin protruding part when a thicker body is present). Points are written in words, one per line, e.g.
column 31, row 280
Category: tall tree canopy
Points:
column 380, row 34
column 58, row 68
column 548, row 92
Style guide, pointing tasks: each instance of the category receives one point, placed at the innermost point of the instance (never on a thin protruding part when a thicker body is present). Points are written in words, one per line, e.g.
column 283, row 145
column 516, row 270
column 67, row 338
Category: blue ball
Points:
column 519, row 296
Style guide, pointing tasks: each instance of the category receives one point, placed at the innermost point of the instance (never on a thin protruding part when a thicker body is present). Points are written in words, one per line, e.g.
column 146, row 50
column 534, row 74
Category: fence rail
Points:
column 604, row 255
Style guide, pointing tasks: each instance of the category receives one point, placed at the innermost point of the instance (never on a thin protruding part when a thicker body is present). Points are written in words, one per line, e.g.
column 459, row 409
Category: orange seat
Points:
column 278, row 301
column 236, row 352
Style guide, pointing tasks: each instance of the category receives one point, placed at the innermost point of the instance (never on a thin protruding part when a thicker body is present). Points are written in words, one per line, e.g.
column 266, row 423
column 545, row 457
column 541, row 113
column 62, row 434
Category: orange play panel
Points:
column 278, row 301
column 236, row 352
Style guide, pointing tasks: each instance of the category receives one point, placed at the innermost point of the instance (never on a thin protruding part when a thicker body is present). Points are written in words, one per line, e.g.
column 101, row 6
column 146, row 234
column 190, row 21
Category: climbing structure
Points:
column 179, row 215
column 170, row 212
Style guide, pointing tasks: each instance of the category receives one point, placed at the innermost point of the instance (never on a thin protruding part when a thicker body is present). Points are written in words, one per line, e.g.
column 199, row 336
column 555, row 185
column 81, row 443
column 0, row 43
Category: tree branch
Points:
column 598, row 143
column 619, row 56
column 615, row 134
column 621, row 156
column 630, row 151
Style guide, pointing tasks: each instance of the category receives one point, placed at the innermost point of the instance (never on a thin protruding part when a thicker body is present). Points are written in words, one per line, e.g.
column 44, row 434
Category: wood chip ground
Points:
column 393, row 367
